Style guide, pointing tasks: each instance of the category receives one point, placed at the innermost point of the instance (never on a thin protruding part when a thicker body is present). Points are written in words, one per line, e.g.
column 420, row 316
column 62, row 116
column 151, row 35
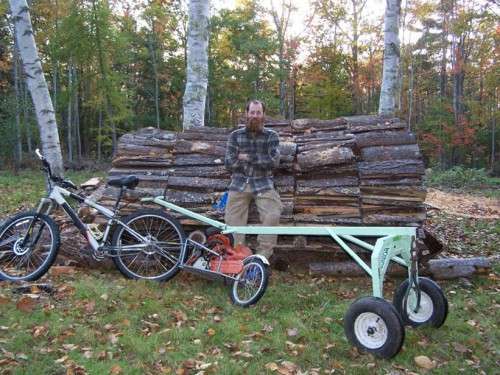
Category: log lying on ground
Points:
column 439, row 269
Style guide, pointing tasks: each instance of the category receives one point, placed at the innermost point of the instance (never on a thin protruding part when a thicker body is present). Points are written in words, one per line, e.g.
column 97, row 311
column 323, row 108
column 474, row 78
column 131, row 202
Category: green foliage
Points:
column 460, row 177
column 324, row 86
column 241, row 63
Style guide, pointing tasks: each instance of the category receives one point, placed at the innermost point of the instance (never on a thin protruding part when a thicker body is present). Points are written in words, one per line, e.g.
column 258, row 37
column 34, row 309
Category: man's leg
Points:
column 237, row 211
column 269, row 206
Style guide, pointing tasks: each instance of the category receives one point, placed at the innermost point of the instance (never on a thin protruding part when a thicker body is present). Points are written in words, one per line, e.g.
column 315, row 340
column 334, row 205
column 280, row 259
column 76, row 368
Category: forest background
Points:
column 117, row 66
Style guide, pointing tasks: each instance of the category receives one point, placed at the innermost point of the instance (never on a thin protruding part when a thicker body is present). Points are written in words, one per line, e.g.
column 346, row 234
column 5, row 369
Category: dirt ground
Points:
column 462, row 204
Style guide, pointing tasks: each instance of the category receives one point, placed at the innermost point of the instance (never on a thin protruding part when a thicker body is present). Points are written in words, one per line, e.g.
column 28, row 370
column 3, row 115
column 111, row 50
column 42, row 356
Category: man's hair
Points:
column 255, row 101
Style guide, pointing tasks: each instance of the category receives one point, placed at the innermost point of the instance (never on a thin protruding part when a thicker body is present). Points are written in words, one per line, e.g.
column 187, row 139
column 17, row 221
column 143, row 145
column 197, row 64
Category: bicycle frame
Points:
column 57, row 194
column 395, row 244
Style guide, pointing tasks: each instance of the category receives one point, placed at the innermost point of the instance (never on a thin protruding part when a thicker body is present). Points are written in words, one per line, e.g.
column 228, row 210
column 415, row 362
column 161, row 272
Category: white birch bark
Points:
column 197, row 65
column 37, row 85
column 390, row 75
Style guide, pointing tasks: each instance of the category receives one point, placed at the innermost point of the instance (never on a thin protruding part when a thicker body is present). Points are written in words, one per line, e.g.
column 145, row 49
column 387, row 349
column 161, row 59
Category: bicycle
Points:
column 146, row 244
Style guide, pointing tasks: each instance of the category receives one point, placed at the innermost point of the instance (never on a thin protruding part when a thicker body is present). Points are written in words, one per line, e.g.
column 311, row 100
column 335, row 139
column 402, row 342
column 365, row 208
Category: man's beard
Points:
column 255, row 125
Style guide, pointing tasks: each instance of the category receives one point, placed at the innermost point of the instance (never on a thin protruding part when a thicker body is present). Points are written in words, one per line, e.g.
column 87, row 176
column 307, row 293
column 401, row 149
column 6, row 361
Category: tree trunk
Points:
column 70, row 114
column 356, row 97
column 77, row 116
column 18, row 151
column 197, row 65
column 388, row 90
column 99, row 135
column 152, row 51
column 37, row 85
column 26, row 119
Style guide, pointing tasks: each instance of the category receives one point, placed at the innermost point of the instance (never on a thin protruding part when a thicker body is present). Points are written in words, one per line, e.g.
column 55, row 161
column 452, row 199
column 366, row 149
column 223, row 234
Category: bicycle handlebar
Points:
column 56, row 179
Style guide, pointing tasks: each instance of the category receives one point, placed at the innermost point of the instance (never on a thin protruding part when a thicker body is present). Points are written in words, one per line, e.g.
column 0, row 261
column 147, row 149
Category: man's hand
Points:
column 243, row 157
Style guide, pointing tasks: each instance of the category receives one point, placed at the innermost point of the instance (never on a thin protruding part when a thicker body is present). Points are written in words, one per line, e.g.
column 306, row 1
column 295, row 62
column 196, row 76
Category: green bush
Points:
column 458, row 177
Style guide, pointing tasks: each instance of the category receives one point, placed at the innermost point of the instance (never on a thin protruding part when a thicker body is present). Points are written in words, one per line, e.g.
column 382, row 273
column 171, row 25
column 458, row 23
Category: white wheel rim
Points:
column 370, row 330
column 248, row 288
column 425, row 310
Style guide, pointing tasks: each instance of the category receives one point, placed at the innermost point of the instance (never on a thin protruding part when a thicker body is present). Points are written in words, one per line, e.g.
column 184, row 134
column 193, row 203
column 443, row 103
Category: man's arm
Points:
column 231, row 161
column 272, row 159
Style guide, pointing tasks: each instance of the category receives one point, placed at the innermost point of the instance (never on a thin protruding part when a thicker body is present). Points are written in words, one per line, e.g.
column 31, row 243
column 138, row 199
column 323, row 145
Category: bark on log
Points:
column 332, row 156
column 359, row 170
column 439, row 269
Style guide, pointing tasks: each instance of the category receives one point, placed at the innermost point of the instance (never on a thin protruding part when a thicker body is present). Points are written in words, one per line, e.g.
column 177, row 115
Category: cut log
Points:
column 439, row 269
column 385, row 138
column 332, row 156
column 452, row 268
column 377, row 153
column 391, row 168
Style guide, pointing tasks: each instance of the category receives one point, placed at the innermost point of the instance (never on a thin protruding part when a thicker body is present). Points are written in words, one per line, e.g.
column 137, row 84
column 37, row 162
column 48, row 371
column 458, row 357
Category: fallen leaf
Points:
column 115, row 370
column 460, row 348
column 90, row 307
column 292, row 332
column 271, row 366
column 424, row 362
column 267, row 328
column 288, row 368
column 62, row 270
column 62, row 359
column 113, row 338
column 26, row 304
column 38, row 331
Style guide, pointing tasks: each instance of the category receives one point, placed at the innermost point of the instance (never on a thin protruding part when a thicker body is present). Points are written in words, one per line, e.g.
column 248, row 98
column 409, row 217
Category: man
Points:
column 251, row 155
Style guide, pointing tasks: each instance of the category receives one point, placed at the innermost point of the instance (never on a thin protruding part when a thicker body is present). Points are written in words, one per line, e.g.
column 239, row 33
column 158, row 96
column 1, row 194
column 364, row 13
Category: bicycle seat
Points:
column 129, row 182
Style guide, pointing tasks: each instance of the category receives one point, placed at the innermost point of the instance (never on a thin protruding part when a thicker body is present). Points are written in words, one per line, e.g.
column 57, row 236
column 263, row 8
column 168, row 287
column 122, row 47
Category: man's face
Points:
column 255, row 117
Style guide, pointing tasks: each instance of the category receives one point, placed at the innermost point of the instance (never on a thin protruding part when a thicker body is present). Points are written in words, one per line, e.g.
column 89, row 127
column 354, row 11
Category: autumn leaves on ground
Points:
column 78, row 321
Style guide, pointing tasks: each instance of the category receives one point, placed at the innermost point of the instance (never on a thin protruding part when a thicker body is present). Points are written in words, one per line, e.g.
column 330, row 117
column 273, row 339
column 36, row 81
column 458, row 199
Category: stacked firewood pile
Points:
column 361, row 170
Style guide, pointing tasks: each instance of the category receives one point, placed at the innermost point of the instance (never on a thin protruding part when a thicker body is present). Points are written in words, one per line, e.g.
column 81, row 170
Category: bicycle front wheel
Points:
column 158, row 257
column 27, row 252
column 250, row 284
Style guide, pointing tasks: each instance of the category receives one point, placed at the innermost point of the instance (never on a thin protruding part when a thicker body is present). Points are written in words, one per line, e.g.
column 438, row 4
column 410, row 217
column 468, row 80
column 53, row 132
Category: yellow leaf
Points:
column 424, row 362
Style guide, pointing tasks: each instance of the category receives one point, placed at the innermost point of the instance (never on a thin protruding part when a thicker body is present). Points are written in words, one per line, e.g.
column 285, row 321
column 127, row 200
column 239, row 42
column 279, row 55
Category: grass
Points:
column 101, row 323
column 473, row 181
column 23, row 191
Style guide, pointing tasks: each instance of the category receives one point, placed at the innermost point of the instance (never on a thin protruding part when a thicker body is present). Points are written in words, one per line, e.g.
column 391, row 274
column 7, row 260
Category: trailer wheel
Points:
column 433, row 307
column 373, row 325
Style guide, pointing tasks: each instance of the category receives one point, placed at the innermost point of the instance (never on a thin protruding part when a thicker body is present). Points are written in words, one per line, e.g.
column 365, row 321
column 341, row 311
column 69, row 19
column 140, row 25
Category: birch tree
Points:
column 197, row 65
column 37, row 85
column 390, row 75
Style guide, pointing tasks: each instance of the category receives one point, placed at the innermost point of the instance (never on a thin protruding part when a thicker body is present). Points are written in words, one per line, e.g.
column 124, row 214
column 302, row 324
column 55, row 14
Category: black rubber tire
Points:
column 264, row 272
column 49, row 257
column 391, row 328
column 433, row 293
column 175, row 229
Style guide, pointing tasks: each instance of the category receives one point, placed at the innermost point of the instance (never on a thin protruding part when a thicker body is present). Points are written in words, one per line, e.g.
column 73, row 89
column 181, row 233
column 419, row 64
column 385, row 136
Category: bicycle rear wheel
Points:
column 26, row 254
column 159, row 258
